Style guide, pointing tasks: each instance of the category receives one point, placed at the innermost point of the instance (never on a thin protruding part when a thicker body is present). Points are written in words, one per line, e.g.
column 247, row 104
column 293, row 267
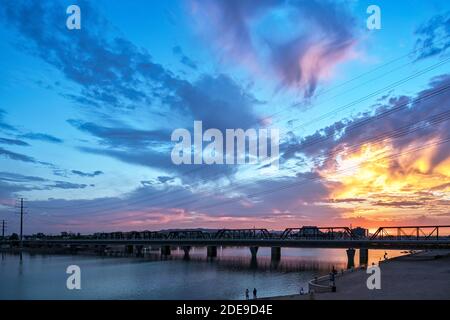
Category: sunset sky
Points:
column 86, row 115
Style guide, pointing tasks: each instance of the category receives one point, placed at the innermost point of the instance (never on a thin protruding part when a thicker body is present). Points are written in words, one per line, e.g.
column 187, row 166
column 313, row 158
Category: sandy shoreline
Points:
column 421, row 276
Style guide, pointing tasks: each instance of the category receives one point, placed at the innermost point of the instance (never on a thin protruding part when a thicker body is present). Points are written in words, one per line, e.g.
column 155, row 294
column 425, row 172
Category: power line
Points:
column 392, row 85
column 442, row 141
column 389, row 158
column 407, row 129
column 361, row 75
column 434, row 119
column 317, row 119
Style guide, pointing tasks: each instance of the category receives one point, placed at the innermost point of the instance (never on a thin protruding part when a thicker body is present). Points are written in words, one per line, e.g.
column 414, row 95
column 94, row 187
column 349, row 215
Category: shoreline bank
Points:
column 420, row 276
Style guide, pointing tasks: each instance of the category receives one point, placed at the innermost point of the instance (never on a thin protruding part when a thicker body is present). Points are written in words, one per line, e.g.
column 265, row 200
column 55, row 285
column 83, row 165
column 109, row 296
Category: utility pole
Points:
column 3, row 228
column 21, row 221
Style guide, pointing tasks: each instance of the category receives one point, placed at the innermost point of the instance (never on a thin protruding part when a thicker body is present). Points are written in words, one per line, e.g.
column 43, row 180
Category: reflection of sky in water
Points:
column 225, row 277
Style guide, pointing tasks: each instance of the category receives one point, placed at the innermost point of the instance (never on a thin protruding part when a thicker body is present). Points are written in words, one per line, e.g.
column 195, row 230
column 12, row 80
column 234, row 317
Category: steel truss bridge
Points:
column 404, row 237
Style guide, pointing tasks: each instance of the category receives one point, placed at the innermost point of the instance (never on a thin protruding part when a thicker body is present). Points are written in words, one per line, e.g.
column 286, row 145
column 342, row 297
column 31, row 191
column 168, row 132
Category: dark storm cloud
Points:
column 433, row 36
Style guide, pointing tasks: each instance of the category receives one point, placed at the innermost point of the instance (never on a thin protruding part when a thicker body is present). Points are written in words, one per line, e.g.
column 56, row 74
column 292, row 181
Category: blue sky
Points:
column 86, row 115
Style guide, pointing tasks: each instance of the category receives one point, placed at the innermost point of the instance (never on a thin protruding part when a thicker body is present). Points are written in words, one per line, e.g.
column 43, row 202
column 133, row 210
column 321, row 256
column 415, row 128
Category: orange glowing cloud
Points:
column 380, row 182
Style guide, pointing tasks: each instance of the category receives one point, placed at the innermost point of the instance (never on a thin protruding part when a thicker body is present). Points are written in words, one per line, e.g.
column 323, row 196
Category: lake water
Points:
column 38, row 276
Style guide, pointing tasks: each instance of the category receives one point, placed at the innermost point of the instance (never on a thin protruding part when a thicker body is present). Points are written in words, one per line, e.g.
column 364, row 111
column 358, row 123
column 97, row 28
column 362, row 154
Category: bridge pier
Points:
column 350, row 258
column 363, row 256
column 139, row 250
column 129, row 249
column 275, row 253
column 73, row 249
column 254, row 251
column 165, row 250
column 211, row 251
column 102, row 250
column 186, row 250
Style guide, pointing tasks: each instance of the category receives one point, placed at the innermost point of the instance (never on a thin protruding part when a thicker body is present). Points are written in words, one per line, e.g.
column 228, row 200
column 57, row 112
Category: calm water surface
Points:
column 38, row 276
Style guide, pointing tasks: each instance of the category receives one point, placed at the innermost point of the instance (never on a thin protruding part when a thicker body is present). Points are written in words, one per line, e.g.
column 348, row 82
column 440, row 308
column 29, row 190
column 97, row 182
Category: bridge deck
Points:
column 287, row 243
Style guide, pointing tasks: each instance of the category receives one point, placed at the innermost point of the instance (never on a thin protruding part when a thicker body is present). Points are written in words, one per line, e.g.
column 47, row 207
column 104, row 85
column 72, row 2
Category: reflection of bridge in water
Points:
column 388, row 238
column 232, row 259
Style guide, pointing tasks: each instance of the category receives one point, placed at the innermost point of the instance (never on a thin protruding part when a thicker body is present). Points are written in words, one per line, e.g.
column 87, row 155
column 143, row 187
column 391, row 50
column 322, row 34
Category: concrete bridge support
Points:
column 103, row 249
column 129, row 249
column 165, row 250
column 211, row 251
column 275, row 253
column 254, row 251
column 139, row 250
column 350, row 258
column 186, row 250
column 363, row 256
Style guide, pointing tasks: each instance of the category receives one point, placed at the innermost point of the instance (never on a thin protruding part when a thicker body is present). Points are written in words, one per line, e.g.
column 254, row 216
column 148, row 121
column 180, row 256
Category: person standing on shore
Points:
column 254, row 293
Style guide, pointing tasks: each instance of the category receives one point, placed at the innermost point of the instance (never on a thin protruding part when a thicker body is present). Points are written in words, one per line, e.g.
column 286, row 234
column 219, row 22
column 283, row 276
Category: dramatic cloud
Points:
column 320, row 35
column 369, row 157
column 219, row 102
column 110, row 71
column 433, row 36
